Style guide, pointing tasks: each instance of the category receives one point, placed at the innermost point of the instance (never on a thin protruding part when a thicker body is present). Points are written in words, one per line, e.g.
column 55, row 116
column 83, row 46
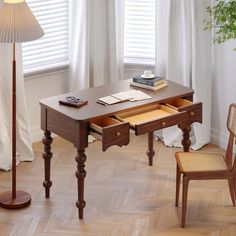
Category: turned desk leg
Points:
column 150, row 152
column 47, row 155
column 80, row 174
column 186, row 137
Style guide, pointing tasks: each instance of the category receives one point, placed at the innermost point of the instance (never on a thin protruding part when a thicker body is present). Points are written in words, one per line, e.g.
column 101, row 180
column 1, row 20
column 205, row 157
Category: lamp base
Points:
column 22, row 199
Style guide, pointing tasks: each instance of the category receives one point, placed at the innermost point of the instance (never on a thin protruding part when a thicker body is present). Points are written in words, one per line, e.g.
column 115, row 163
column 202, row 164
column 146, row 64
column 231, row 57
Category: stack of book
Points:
column 153, row 84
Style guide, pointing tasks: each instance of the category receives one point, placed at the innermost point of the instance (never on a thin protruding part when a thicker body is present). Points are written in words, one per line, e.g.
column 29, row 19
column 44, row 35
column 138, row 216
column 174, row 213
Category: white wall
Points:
column 223, row 90
column 41, row 87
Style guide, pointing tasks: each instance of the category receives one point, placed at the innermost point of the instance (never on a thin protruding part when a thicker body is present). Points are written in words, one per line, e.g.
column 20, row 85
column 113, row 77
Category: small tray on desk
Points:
column 73, row 102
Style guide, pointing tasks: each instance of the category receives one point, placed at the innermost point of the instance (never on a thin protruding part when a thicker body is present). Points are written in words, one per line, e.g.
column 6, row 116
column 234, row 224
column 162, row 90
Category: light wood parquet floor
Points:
column 125, row 196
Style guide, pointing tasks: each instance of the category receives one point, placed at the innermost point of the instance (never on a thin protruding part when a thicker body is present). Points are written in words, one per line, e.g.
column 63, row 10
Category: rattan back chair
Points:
column 205, row 166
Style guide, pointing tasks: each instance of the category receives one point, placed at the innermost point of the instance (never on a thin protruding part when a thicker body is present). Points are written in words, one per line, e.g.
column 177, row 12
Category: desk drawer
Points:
column 110, row 131
column 152, row 117
column 194, row 110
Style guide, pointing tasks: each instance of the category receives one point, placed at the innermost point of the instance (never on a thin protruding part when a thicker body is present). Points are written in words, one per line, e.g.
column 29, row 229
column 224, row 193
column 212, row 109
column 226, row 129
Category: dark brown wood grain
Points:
column 159, row 123
column 93, row 109
column 73, row 124
column 150, row 152
column 115, row 135
column 80, row 174
column 47, row 156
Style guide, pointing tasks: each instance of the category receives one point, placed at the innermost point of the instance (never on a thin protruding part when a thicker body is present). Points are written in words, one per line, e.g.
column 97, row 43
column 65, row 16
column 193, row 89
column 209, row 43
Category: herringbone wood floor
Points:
column 124, row 196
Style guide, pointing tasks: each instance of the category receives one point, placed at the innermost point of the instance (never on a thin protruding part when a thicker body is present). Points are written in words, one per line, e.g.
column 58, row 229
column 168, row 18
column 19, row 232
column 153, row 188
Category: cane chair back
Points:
column 231, row 125
column 202, row 166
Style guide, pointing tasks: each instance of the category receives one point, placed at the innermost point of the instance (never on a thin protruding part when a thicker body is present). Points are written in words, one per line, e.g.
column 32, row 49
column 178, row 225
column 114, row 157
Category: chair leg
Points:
column 184, row 199
column 235, row 187
column 232, row 190
column 178, row 175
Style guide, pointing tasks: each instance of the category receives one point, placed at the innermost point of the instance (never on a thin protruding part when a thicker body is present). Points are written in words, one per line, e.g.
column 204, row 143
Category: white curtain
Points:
column 96, row 51
column 188, row 60
column 23, row 143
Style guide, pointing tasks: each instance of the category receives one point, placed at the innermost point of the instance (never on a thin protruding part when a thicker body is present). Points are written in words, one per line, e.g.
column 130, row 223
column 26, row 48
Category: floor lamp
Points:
column 17, row 25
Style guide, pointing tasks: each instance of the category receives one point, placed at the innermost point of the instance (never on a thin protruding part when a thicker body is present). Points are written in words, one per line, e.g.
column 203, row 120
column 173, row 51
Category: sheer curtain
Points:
column 23, row 140
column 96, row 36
column 188, row 60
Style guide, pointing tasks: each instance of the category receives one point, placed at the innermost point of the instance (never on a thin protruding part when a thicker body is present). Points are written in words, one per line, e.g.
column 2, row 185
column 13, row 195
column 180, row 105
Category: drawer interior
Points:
column 99, row 123
column 146, row 114
column 178, row 102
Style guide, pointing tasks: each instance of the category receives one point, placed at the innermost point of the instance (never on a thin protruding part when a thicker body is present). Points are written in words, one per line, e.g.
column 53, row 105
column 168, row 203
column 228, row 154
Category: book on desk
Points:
column 145, row 86
column 152, row 83
column 148, row 81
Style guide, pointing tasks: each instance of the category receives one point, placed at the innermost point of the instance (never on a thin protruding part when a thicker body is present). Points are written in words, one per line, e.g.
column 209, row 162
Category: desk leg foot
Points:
column 80, row 174
column 150, row 152
column 47, row 155
column 186, row 137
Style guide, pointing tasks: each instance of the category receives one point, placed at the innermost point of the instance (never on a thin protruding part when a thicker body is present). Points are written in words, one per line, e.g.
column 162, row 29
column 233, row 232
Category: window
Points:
column 50, row 51
column 139, row 32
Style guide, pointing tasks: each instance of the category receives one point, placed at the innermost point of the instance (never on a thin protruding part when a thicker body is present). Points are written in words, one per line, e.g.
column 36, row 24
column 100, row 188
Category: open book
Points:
column 129, row 95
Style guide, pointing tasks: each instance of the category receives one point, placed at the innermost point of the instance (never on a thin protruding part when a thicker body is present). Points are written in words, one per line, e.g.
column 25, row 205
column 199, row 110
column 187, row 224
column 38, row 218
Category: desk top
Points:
column 93, row 109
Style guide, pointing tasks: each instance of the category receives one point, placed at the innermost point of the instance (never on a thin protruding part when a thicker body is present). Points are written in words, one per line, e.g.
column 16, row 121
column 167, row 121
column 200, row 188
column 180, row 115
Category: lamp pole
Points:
column 17, row 25
column 14, row 123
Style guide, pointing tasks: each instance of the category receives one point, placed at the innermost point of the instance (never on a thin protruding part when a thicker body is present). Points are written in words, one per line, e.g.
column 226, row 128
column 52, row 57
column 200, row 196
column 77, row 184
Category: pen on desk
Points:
column 101, row 103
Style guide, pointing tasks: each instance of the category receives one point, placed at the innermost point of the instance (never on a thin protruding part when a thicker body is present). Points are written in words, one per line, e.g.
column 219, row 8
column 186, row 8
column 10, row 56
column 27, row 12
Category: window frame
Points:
column 141, row 63
column 53, row 67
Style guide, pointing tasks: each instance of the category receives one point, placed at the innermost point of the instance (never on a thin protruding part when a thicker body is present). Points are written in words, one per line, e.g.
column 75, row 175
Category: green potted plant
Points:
column 223, row 19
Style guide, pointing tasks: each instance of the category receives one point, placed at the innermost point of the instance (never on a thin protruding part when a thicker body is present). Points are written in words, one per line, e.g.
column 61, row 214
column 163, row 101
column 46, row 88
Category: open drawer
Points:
column 194, row 110
column 110, row 131
column 150, row 118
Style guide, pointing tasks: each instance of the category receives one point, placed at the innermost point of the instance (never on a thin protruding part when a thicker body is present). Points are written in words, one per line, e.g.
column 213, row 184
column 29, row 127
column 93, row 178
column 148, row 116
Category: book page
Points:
column 123, row 96
column 138, row 95
column 109, row 100
column 129, row 95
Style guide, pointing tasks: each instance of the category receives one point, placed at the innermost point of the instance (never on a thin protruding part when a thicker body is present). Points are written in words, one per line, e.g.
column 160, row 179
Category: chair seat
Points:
column 204, row 166
column 199, row 162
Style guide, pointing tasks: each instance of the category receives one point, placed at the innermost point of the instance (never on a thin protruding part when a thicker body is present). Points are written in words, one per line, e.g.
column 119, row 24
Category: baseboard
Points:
column 36, row 134
column 219, row 138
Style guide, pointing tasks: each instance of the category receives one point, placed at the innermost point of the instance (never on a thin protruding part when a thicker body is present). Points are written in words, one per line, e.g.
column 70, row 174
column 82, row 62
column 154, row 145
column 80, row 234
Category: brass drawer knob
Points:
column 192, row 113
column 163, row 123
column 118, row 134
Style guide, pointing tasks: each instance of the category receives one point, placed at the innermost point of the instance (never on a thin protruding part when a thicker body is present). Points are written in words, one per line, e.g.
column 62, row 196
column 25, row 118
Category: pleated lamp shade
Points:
column 17, row 22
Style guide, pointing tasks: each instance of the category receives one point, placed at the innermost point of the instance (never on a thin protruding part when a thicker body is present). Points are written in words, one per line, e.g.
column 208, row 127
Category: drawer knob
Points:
column 163, row 123
column 192, row 113
column 118, row 134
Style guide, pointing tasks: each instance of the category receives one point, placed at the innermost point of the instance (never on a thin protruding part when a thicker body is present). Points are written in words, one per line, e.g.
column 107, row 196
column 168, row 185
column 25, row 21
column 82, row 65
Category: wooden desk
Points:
column 172, row 102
